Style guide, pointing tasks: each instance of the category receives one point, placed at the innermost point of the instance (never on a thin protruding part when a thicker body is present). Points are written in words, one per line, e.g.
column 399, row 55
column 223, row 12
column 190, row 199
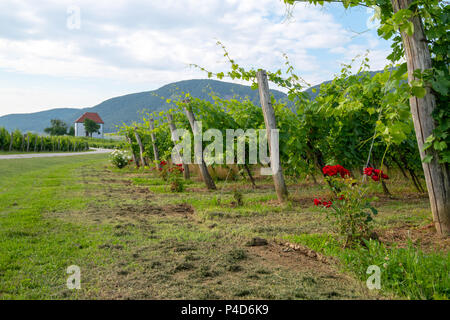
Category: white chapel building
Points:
column 79, row 125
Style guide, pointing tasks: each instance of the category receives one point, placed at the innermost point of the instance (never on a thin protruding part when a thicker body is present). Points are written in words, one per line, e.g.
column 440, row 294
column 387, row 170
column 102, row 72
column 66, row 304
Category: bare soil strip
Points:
column 165, row 251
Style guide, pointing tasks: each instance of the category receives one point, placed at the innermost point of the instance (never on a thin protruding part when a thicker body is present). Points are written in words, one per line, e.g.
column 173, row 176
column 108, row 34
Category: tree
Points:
column 418, row 27
column 71, row 131
column 57, row 128
column 90, row 126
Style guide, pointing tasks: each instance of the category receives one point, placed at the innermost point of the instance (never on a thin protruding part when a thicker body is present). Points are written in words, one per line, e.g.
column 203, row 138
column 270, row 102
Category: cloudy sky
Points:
column 48, row 60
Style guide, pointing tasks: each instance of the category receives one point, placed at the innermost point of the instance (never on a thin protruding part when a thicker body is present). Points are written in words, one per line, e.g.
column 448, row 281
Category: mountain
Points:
column 127, row 108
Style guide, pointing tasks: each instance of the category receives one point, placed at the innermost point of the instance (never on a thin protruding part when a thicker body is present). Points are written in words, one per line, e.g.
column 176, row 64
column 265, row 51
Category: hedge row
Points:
column 31, row 142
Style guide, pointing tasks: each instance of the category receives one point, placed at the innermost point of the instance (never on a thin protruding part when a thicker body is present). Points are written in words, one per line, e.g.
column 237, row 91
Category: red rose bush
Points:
column 375, row 174
column 350, row 211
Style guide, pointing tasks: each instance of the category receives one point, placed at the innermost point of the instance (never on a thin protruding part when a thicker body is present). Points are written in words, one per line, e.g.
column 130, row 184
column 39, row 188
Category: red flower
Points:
column 327, row 204
column 317, row 202
column 375, row 173
column 334, row 170
column 163, row 163
column 341, row 197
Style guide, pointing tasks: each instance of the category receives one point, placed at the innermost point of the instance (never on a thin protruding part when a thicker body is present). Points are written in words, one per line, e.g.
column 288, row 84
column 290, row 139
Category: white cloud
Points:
column 43, row 98
column 249, row 33
column 153, row 41
column 377, row 57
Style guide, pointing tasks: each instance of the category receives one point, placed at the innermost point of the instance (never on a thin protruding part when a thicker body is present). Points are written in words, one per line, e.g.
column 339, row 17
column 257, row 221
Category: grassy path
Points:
column 29, row 155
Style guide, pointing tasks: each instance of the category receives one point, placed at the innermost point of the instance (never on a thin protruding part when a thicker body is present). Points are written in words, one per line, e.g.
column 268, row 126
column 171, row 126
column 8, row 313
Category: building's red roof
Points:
column 90, row 115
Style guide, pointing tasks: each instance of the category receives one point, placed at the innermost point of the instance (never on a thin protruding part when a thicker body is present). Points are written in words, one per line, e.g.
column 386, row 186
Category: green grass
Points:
column 407, row 272
column 35, row 252
column 32, row 151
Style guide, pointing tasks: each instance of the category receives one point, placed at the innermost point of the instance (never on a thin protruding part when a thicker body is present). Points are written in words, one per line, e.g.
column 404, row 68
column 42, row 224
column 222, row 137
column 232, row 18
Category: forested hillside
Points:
column 126, row 109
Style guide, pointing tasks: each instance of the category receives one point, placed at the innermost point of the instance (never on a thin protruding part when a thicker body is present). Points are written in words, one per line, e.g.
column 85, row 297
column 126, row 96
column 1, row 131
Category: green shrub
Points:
column 351, row 212
column 40, row 143
column 174, row 173
column 238, row 197
column 120, row 158
column 4, row 139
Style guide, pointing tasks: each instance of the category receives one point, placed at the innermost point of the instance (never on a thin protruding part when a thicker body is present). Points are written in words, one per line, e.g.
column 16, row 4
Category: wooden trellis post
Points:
column 141, row 147
column 173, row 128
column 135, row 159
column 270, row 121
column 199, row 150
column 155, row 147
column 28, row 143
column 437, row 175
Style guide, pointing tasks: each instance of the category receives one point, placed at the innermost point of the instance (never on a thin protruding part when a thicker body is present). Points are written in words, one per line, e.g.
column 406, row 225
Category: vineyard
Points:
column 344, row 195
column 17, row 141
column 31, row 142
column 359, row 131
column 356, row 139
column 356, row 120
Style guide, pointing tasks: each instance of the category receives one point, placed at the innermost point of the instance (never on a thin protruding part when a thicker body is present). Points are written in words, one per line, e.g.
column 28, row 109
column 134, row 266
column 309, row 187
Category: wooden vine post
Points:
column 270, row 122
column 28, row 143
column 437, row 175
column 141, row 147
column 198, row 149
column 155, row 147
column 173, row 128
column 135, row 159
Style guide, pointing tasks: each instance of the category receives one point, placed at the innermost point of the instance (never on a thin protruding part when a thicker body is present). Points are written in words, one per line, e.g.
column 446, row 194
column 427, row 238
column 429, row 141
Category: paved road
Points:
column 47, row 155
